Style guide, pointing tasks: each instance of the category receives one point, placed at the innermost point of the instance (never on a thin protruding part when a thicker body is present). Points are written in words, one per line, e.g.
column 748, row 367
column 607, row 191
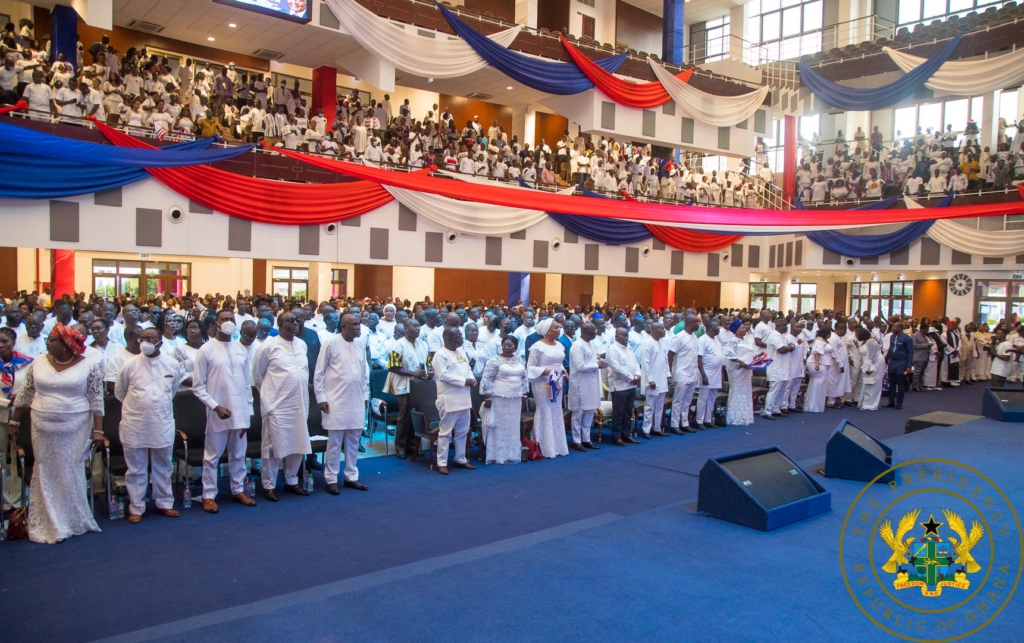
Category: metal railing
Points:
column 780, row 75
column 727, row 47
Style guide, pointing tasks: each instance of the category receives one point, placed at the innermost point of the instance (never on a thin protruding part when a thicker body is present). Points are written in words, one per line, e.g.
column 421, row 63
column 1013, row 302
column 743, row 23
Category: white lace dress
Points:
column 62, row 405
column 740, row 409
column 504, row 379
column 548, row 422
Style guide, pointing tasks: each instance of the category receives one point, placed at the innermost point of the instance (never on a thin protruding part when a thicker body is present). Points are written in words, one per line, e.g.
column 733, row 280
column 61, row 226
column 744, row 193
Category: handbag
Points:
column 532, row 449
column 870, row 379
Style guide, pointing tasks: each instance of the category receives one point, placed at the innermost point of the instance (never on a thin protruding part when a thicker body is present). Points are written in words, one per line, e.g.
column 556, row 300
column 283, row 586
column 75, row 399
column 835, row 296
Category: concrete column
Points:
column 325, row 92
column 526, row 13
column 989, row 123
column 789, row 152
column 785, row 288
column 673, row 31
column 64, row 34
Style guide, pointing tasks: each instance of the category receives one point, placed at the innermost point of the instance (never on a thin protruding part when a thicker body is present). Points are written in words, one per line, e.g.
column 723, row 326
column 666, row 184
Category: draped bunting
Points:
column 851, row 98
column 22, row 141
column 600, row 230
column 543, row 75
column 717, row 111
column 43, row 178
column 731, row 220
column 1006, row 243
column 689, row 240
column 260, row 200
column 967, row 77
column 638, row 95
column 872, row 245
column 17, row 107
column 405, row 50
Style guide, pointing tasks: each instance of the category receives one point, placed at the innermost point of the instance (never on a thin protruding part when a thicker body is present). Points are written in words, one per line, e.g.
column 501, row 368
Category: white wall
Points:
column 412, row 283
column 553, row 287
column 735, row 294
column 603, row 13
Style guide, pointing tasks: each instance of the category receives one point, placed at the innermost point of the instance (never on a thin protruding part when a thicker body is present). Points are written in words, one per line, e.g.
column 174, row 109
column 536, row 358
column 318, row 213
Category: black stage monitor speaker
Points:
column 763, row 489
column 854, row 455
column 1004, row 404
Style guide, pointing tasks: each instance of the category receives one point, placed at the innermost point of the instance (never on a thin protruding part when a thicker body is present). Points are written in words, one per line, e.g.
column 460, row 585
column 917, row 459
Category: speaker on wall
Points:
column 762, row 489
column 1003, row 404
column 852, row 454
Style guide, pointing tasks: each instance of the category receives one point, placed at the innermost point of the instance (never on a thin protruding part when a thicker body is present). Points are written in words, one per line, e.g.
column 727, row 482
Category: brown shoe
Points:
column 170, row 513
column 243, row 499
column 443, row 470
column 210, row 505
column 134, row 518
column 465, row 465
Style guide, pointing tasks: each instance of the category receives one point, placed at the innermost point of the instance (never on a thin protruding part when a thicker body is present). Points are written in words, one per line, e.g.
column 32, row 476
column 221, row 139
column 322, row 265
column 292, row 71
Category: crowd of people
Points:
column 694, row 369
column 931, row 162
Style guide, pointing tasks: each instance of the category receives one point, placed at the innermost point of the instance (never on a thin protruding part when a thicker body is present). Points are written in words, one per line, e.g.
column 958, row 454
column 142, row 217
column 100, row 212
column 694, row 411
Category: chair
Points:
column 475, row 424
column 759, row 391
column 254, row 436
column 422, row 395
column 315, row 427
column 113, row 451
column 383, row 407
column 23, row 455
column 190, row 431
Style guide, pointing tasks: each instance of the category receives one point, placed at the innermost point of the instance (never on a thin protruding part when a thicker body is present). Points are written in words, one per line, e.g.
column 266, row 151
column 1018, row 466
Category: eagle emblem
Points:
column 929, row 562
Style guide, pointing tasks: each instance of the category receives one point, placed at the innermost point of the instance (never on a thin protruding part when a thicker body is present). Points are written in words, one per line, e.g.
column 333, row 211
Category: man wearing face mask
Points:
column 145, row 386
column 373, row 153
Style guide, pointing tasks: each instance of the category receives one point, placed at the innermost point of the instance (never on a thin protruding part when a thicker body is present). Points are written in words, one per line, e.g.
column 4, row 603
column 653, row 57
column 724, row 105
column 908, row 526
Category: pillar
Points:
column 62, row 273
column 526, row 13
column 789, row 152
column 518, row 288
column 663, row 293
column 672, row 32
column 64, row 33
column 989, row 121
column 325, row 93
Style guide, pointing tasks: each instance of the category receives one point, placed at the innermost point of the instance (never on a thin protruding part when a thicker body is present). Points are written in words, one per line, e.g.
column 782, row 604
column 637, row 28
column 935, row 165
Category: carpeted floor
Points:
column 598, row 545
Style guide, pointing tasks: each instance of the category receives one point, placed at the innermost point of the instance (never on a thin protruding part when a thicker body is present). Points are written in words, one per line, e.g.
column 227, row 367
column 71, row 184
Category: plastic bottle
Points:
column 186, row 497
column 120, row 507
column 308, row 481
column 112, row 508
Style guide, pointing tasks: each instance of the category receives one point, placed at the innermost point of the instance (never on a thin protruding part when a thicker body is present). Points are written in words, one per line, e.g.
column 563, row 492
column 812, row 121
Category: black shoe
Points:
column 890, row 405
column 402, row 455
column 676, row 431
column 577, row 446
column 850, row 403
column 332, row 488
column 687, row 429
column 355, row 484
column 768, row 417
column 660, row 434
column 784, row 414
column 899, row 406
column 295, row 489
column 628, row 439
column 270, row 495
column 708, row 425
column 646, row 436
column 591, row 445
column 362, row 449
column 619, row 442
column 796, row 410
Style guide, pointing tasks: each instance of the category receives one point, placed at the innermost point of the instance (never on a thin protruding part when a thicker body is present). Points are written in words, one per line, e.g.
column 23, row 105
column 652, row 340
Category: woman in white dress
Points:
column 169, row 326
column 545, row 365
column 873, row 367
column 983, row 341
column 503, row 386
column 931, row 372
column 738, row 350
column 195, row 337
column 64, row 391
column 818, row 363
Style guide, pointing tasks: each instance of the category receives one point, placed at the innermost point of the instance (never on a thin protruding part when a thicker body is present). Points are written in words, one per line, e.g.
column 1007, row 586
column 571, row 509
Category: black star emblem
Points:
column 931, row 527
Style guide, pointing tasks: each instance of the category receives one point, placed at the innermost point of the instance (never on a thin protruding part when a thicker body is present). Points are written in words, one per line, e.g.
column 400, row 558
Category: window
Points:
column 936, row 116
column 764, row 295
column 883, row 298
column 802, row 297
column 999, row 300
column 339, row 282
column 787, row 29
column 291, row 282
column 913, row 12
column 588, row 27
column 111, row 277
column 710, row 41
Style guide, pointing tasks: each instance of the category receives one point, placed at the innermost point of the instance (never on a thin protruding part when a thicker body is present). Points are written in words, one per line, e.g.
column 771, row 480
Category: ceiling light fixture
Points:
column 232, row 25
column 210, row 38
column 509, row 87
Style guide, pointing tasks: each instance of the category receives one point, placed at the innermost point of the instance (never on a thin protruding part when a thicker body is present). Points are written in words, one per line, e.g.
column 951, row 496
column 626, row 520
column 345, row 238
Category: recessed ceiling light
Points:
column 232, row 25
column 210, row 38
column 509, row 87
column 430, row 80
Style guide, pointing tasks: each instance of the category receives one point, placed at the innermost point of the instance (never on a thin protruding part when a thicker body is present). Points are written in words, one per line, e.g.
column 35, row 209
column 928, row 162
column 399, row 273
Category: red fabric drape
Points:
column 17, row 107
column 62, row 273
column 639, row 95
column 259, row 200
column 689, row 240
column 679, row 215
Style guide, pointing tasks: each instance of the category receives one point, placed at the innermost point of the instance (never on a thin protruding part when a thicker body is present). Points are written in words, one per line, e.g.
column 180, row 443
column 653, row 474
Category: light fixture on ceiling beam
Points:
column 232, row 25
column 210, row 38
column 509, row 87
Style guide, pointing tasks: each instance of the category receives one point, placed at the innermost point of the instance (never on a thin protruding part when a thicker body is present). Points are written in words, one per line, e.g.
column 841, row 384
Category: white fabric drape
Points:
column 984, row 243
column 467, row 217
column 968, row 77
column 718, row 111
column 427, row 57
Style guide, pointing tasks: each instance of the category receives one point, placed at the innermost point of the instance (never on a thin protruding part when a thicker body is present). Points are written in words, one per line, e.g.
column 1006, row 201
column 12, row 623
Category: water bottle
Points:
column 120, row 507
column 250, row 486
column 186, row 497
column 112, row 508
column 308, row 481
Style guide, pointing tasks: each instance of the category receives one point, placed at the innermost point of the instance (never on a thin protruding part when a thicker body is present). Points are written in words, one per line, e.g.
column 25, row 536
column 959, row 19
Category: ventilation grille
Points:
column 149, row 27
column 478, row 96
column 268, row 54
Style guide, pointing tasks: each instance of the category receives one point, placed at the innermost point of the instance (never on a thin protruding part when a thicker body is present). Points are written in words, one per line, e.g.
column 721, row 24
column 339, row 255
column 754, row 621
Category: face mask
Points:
column 228, row 328
column 148, row 349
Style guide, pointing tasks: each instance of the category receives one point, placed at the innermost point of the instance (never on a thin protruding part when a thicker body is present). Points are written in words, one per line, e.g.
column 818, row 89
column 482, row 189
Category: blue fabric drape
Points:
column 542, row 75
column 599, row 229
column 21, row 142
column 872, row 245
column 44, row 178
column 855, row 99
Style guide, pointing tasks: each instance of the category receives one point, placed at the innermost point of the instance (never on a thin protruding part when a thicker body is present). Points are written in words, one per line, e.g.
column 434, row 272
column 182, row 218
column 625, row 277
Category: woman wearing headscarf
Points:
column 818, row 365
column 546, row 371
column 738, row 350
column 65, row 394
column 503, row 387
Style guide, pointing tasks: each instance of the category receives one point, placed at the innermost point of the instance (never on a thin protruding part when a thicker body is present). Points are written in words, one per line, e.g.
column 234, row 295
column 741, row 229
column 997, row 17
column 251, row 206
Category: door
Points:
column 840, row 297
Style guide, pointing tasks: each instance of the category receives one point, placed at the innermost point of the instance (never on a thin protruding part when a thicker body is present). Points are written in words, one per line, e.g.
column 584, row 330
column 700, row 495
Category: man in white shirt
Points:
column 408, row 359
column 682, row 359
column 281, row 373
column 476, row 351
column 709, row 368
column 796, row 364
column 524, row 331
column 222, row 381
column 623, row 377
column 584, row 386
column 40, row 98
column 93, row 99
column 776, row 402
column 655, row 380
column 454, row 380
column 340, row 383
column 839, row 372
column 145, row 386
column 70, row 100
column 32, row 343
column 329, row 328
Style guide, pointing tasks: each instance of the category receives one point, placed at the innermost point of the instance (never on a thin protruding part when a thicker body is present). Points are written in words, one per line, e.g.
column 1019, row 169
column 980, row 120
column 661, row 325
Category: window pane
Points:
column 908, row 289
column 754, row 8
column 300, row 274
column 773, row 303
column 156, row 268
column 993, row 288
column 930, row 115
column 282, row 273
column 934, row 8
column 772, row 289
column 875, row 289
column 130, row 267
column 809, row 289
column 769, row 5
column 181, row 269
column 977, row 109
column 756, row 302
column 812, row 15
column 770, row 27
column 791, row 21
column 104, row 266
column 153, row 287
column 790, row 48
column 281, row 288
column 990, row 312
column 128, row 285
column 299, row 289
column 909, row 10
column 885, row 289
column 956, row 115
column 905, row 121
column 753, row 33
column 960, row 5
column 103, row 286
column 790, row 3
column 810, row 43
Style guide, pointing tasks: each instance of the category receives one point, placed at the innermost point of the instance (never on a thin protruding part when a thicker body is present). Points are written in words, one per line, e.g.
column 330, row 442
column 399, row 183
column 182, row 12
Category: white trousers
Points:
column 794, row 391
column 706, row 405
column 349, row 439
column 581, row 423
column 457, row 421
column 681, row 399
column 272, row 465
column 159, row 461
column 654, row 411
column 775, row 401
column 216, row 442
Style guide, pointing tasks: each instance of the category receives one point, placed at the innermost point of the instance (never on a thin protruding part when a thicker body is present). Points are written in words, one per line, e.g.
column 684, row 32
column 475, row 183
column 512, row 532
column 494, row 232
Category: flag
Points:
column 161, row 133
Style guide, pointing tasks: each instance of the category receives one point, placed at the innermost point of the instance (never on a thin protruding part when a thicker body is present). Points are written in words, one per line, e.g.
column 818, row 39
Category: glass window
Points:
column 886, row 289
column 791, row 21
column 993, row 288
column 770, row 26
column 876, row 288
column 772, row 288
column 909, row 11
column 934, row 8
column 929, row 115
column 812, row 15
column 281, row 273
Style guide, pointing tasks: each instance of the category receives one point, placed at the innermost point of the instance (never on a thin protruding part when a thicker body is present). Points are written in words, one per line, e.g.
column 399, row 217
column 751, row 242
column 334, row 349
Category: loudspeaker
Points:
column 1003, row 404
column 762, row 489
column 852, row 454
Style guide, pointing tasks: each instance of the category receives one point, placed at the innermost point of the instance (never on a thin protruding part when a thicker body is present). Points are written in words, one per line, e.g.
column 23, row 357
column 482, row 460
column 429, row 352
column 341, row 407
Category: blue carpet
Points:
column 596, row 545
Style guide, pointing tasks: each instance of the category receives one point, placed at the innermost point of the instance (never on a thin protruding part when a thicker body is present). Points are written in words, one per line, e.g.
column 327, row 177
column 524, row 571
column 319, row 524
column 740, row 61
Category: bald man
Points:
column 454, row 380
